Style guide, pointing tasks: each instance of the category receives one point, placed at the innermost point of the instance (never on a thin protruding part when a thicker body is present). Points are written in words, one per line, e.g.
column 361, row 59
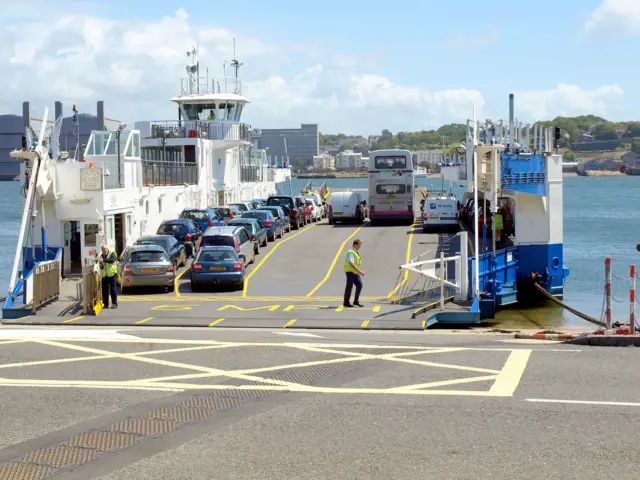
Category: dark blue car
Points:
column 204, row 217
column 217, row 266
column 274, row 228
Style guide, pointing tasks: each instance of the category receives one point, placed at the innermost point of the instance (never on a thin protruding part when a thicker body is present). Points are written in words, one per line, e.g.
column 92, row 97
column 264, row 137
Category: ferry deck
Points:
column 295, row 282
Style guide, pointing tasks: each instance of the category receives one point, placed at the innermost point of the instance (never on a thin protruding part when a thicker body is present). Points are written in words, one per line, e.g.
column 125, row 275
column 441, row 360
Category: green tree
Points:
column 635, row 145
column 633, row 129
column 606, row 131
column 569, row 155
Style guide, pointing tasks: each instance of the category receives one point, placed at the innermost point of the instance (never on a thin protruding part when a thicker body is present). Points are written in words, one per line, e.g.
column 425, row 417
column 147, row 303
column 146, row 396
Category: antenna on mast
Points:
column 235, row 63
column 193, row 68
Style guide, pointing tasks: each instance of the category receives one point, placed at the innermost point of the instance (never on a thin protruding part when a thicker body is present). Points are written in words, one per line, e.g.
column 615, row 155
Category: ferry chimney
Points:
column 511, row 117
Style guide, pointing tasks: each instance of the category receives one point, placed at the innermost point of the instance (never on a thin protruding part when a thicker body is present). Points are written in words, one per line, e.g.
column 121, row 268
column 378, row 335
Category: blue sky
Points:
column 352, row 66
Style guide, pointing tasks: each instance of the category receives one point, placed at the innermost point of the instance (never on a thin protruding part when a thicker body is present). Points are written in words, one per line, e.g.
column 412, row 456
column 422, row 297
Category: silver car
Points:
column 146, row 266
column 231, row 236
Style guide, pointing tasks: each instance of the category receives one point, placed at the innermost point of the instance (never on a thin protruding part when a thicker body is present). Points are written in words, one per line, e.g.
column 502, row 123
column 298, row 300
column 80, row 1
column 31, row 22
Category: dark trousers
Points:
column 352, row 279
column 109, row 286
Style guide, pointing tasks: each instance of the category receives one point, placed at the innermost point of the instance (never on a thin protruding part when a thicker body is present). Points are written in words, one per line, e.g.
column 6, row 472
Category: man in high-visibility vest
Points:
column 108, row 262
column 498, row 226
column 354, row 274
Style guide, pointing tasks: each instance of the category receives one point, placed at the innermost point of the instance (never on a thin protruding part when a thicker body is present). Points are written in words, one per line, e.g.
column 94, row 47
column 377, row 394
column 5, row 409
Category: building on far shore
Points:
column 324, row 162
column 301, row 143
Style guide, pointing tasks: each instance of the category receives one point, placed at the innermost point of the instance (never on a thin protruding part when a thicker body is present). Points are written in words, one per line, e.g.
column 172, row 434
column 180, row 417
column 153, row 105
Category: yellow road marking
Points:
column 144, row 320
column 333, row 264
column 289, row 323
column 305, row 307
column 365, row 324
column 271, row 308
column 424, row 324
column 216, row 322
column 373, row 309
column 173, row 307
column 176, row 281
column 407, row 260
column 275, row 247
column 216, row 298
column 14, row 320
column 75, row 319
column 444, row 383
column 511, row 373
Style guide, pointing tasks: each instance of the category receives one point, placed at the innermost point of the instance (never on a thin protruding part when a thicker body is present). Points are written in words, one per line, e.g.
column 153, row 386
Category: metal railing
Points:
column 91, row 289
column 46, row 284
column 211, row 86
column 228, row 131
column 158, row 173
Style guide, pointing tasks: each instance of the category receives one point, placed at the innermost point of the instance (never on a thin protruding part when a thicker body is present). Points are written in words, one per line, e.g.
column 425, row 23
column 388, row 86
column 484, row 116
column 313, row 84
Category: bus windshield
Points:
column 389, row 162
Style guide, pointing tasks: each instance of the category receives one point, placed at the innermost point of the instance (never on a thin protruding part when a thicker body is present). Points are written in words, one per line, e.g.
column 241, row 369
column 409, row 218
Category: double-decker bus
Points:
column 391, row 185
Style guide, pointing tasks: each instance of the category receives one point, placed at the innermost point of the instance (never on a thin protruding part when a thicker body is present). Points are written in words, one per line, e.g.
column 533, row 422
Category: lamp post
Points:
column 118, row 132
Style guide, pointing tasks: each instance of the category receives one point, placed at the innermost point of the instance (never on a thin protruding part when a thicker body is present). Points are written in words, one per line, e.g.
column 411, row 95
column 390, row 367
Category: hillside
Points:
column 454, row 133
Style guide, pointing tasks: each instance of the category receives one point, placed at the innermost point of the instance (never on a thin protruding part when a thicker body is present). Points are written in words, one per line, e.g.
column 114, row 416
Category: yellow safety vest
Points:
column 109, row 269
column 347, row 263
column 499, row 225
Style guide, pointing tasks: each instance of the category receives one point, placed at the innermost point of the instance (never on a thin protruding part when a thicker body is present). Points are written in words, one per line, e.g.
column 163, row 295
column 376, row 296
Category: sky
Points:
column 353, row 67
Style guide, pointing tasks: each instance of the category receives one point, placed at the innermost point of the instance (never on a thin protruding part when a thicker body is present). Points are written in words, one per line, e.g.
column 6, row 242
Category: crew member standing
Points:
column 354, row 275
column 109, row 271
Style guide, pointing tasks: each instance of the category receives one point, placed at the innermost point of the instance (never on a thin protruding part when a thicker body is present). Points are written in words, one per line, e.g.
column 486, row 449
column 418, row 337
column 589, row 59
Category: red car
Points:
column 308, row 215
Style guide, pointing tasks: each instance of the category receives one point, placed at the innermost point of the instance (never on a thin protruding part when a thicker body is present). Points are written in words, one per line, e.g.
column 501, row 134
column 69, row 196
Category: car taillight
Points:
column 235, row 242
column 210, row 222
column 187, row 237
column 170, row 269
column 254, row 238
column 268, row 223
column 197, row 266
column 127, row 269
column 237, row 266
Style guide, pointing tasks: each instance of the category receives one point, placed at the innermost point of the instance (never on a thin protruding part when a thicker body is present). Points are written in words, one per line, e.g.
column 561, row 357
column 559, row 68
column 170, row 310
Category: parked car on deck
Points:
column 185, row 231
column 243, row 206
column 256, row 231
column 274, row 227
column 316, row 210
column 296, row 208
column 228, row 212
column 280, row 214
column 346, row 206
column 204, row 218
column 258, row 202
column 146, row 266
column 171, row 246
column 217, row 266
column 231, row 236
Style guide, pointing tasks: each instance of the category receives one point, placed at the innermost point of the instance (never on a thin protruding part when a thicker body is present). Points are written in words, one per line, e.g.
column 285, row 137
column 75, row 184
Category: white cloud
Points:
column 135, row 66
column 566, row 100
column 615, row 16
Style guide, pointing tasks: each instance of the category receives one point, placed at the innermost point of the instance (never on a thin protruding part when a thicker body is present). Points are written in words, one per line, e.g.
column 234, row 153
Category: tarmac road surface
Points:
column 194, row 403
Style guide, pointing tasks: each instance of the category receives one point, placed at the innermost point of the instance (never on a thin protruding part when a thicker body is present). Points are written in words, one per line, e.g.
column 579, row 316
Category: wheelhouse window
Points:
column 391, row 189
column 391, row 162
column 201, row 111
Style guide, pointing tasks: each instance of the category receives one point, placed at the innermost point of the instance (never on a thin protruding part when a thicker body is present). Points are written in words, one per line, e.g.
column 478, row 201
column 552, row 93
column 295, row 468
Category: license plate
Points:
column 337, row 214
column 433, row 217
column 149, row 270
column 218, row 269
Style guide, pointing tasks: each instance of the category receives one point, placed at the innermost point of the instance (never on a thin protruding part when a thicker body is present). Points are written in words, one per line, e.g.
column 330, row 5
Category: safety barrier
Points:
column 91, row 290
column 46, row 284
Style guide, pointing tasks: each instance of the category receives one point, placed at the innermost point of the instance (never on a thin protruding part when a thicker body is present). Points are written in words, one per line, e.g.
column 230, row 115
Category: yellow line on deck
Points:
column 275, row 247
column 216, row 322
column 75, row 319
column 289, row 323
column 144, row 320
column 333, row 264
column 176, row 281
column 407, row 260
column 424, row 324
column 365, row 324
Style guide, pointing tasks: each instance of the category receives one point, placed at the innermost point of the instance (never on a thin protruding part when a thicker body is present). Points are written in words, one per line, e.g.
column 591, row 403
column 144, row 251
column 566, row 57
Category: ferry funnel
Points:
column 511, row 110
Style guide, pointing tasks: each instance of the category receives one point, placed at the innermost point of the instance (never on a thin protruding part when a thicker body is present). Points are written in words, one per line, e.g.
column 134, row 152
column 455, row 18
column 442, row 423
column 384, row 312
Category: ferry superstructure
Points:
column 515, row 166
column 126, row 182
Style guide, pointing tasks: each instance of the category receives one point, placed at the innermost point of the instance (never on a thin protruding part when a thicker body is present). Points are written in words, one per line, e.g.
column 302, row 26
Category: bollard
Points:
column 607, row 291
column 632, row 299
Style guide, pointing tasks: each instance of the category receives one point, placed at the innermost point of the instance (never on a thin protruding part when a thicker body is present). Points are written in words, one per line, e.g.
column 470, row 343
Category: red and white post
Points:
column 632, row 299
column 607, row 292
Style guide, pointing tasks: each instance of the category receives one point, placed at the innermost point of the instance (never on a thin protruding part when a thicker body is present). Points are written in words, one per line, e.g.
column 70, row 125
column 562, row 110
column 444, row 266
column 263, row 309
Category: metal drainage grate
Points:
column 86, row 447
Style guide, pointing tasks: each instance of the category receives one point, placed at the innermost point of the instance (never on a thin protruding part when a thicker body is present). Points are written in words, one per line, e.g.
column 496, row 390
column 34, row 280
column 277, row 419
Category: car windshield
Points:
column 216, row 256
column 277, row 201
column 217, row 241
column 195, row 215
column 163, row 242
column 248, row 225
column 257, row 214
column 148, row 256
column 172, row 228
column 241, row 206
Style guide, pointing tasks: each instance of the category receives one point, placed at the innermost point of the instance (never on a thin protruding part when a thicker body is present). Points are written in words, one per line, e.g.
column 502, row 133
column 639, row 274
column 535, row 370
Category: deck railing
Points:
column 227, row 131
column 159, row 173
column 46, row 284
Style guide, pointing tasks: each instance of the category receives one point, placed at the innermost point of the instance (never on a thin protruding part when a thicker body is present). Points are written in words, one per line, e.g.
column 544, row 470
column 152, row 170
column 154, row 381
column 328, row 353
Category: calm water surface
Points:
column 600, row 219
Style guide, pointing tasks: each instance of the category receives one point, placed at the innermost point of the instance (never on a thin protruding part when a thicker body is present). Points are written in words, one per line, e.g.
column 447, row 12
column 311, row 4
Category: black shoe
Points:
column 347, row 305
column 358, row 304
column 115, row 305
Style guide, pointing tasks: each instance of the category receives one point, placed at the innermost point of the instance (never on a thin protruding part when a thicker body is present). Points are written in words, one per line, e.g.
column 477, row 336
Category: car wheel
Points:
column 256, row 250
column 171, row 289
column 264, row 244
column 194, row 287
column 241, row 285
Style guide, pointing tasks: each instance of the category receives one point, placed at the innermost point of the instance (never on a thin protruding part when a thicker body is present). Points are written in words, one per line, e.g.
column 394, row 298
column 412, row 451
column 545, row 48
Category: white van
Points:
column 440, row 213
column 346, row 206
